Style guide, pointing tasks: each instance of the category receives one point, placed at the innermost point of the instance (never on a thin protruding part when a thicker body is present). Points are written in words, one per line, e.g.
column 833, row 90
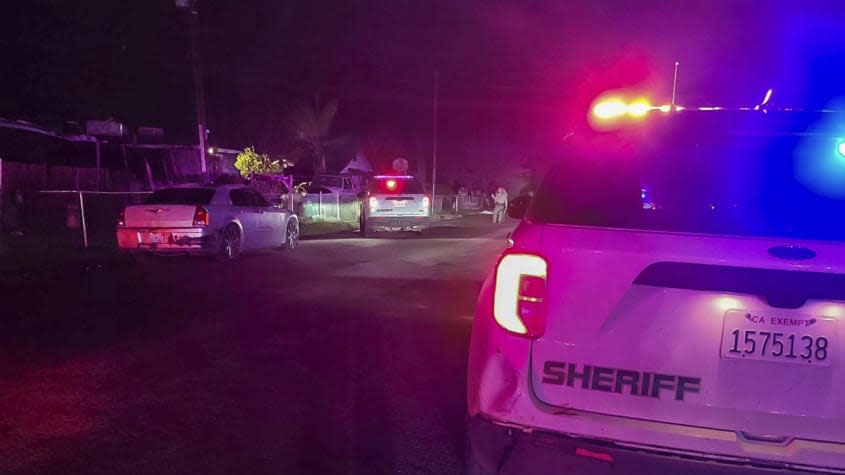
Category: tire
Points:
column 291, row 235
column 231, row 244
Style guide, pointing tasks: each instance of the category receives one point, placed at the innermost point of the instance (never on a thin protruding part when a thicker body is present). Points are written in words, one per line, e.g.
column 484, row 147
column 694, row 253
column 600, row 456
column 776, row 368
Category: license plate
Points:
column 155, row 238
column 784, row 338
column 399, row 204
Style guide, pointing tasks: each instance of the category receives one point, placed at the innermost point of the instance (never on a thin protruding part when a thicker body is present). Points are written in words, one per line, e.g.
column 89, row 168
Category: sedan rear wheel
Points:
column 230, row 245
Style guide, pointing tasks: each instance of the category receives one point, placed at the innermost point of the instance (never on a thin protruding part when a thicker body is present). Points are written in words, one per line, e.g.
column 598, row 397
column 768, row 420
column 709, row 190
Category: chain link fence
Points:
column 73, row 219
column 63, row 219
column 330, row 207
column 346, row 207
column 459, row 204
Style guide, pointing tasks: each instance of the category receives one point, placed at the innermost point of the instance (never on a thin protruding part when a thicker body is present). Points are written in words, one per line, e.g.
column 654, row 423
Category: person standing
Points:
column 500, row 204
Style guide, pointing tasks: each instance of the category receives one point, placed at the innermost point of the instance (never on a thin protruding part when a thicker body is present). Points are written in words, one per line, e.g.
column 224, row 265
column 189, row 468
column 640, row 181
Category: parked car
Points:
column 273, row 188
column 312, row 188
column 340, row 183
column 216, row 220
column 701, row 336
column 395, row 203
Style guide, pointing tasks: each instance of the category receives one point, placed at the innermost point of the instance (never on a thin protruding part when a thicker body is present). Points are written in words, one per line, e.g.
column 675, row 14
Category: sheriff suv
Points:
column 673, row 305
column 395, row 203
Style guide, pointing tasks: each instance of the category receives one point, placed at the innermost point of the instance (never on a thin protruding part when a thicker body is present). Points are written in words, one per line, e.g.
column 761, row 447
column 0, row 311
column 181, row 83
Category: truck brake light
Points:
column 519, row 299
column 200, row 216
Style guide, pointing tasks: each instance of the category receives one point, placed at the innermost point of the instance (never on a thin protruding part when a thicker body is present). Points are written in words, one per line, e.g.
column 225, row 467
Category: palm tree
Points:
column 310, row 123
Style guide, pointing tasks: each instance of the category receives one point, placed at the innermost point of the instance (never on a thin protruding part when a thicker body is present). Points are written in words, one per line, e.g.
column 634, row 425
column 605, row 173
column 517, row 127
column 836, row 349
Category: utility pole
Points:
column 196, row 65
column 97, row 151
column 434, row 144
column 674, row 84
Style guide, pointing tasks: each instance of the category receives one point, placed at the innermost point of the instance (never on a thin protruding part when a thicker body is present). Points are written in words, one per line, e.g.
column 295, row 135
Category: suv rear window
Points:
column 753, row 183
column 182, row 196
column 404, row 186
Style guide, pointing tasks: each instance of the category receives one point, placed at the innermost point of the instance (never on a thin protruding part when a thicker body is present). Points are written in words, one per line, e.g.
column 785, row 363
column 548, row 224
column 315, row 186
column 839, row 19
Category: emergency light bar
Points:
column 384, row 177
column 609, row 108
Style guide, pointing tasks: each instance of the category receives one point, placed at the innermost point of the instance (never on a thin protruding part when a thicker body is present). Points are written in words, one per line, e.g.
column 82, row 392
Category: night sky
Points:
column 519, row 72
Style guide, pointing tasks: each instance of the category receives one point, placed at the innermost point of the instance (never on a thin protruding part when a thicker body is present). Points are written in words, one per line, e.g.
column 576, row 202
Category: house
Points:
column 103, row 158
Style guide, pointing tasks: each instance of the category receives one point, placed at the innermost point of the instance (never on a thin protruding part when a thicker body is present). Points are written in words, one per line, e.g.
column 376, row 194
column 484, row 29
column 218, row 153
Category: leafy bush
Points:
column 249, row 163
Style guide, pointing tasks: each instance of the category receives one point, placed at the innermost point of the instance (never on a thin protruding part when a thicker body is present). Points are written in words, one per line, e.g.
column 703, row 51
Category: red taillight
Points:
column 519, row 300
column 121, row 218
column 200, row 216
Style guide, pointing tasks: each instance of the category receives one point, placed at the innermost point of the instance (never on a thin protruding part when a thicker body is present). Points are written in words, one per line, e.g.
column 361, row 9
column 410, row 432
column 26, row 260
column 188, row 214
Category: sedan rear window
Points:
column 182, row 196
column 750, row 181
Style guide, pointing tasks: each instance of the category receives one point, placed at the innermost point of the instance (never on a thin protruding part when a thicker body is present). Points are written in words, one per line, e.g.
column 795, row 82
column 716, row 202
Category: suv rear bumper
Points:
column 398, row 222
column 495, row 449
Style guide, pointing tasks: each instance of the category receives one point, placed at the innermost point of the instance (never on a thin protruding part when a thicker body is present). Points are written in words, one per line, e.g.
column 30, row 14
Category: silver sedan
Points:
column 218, row 220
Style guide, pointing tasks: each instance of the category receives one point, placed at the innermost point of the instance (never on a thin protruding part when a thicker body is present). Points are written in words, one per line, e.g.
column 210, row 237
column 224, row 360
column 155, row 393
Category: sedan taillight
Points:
column 200, row 216
column 519, row 300
column 121, row 218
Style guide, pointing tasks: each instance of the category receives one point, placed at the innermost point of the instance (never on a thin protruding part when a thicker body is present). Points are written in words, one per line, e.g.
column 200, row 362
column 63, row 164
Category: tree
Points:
column 250, row 163
column 311, row 124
